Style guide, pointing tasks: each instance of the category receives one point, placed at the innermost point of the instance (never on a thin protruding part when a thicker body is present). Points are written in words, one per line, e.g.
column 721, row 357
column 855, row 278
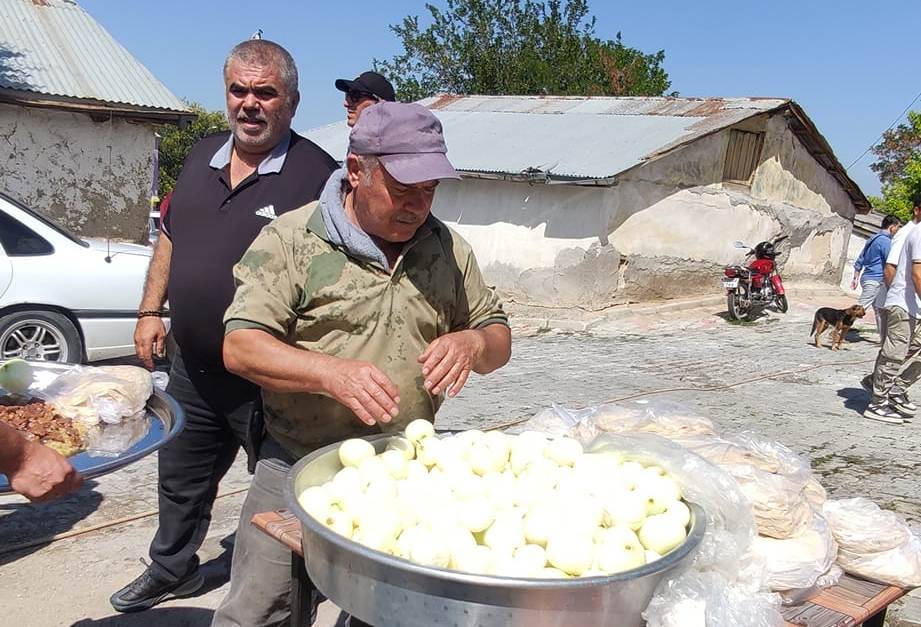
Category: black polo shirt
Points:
column 211, row 226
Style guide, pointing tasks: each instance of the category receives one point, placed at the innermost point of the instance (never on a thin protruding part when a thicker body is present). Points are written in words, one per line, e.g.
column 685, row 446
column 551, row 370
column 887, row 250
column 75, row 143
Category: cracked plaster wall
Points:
column 58, row 163
column 665, row 230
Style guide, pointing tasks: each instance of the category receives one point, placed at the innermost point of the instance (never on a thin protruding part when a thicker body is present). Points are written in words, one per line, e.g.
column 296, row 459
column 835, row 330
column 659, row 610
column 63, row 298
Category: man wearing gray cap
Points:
column 355, row 314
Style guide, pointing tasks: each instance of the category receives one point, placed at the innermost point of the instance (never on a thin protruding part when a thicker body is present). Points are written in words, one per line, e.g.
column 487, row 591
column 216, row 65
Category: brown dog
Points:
column 840, row 319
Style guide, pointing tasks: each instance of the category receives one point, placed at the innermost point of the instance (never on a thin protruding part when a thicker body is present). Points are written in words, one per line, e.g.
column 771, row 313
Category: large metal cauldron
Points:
column 390, row 592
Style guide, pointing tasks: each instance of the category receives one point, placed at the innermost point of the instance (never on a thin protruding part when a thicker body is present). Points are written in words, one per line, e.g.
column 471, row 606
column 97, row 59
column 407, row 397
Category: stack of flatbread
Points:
column 106, row 394
column 874, row 543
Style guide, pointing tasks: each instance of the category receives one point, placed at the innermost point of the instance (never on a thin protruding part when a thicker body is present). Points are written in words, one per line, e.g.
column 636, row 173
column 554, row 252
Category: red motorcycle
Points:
column 752, row 288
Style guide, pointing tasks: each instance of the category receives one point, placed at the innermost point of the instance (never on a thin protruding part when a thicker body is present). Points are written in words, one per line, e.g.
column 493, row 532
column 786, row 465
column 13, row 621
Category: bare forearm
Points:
column 12, row 445
column 157, row 275
column 916, row 276
column 498, row 348
column 888, row 274
column 270, row 363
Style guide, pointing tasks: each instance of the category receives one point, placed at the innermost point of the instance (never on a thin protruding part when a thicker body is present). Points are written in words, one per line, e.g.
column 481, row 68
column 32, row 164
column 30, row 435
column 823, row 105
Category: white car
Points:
column 64, row 298
column 153, row 226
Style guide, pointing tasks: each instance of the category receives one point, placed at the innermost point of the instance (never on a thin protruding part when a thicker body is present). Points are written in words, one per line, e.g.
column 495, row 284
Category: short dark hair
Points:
column 889, row 220
column 264, row 52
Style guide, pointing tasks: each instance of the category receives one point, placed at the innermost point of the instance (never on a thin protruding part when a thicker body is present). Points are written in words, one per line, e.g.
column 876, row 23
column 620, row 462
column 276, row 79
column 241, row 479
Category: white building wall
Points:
column 93, row 177
column 665, row 229
column 789, row 174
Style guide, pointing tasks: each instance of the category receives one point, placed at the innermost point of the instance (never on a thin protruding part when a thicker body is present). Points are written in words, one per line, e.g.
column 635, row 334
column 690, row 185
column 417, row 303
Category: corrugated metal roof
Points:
column 55, row 48
column 590, row 138
column 571, row 137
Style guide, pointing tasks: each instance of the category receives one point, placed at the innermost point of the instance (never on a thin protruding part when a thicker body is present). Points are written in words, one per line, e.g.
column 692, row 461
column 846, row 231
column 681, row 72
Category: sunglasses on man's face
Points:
column 354, row 96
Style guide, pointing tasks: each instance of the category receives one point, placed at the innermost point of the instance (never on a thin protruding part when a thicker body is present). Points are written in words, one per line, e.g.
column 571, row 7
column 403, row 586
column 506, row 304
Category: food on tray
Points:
column 102, row 394
column 496, row 504
column 40, row 421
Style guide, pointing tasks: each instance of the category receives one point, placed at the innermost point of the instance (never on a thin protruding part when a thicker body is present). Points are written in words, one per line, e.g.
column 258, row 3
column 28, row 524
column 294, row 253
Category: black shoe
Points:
column 146, row 591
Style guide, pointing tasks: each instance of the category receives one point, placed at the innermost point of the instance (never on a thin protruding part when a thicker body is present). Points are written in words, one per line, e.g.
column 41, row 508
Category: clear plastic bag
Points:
column 709, row 600
column 110, row 440
column 750, row 449
column 899, row 566
column 778, row 482
column 799, row 595
column 730, row 526
column 860, row 526
column 798, row 562
column 160, row 380
column 662, row 417
column 874, row 543
column 106, row 394
column 557, row 420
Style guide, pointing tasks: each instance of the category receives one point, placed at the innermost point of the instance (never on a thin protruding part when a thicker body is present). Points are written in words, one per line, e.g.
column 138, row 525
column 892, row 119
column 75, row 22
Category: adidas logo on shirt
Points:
column 267, row 212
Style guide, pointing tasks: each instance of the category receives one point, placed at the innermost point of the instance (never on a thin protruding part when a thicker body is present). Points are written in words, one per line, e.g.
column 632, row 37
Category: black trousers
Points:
column 218, row 407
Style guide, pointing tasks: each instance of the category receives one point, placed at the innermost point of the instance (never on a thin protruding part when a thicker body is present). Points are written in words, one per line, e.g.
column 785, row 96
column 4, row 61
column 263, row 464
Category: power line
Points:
column 894, row 122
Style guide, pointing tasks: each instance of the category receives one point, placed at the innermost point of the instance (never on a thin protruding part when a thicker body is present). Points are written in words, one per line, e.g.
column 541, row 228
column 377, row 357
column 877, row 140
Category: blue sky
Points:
column 852, row 64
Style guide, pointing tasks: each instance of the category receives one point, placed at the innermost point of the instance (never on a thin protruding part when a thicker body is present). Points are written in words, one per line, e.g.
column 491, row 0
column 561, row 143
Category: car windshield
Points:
column 46, row 221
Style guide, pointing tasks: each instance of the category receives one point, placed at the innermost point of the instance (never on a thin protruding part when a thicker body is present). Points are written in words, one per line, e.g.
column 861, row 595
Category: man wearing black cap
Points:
column 363, row 92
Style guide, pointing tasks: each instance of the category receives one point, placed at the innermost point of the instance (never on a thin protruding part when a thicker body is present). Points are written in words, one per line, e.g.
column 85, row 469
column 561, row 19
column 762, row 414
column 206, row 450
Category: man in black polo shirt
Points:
column 231, row 185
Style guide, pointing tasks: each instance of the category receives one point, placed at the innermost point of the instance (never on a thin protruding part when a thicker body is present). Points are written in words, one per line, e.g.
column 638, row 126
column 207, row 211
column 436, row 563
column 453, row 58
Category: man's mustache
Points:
column 251, row 118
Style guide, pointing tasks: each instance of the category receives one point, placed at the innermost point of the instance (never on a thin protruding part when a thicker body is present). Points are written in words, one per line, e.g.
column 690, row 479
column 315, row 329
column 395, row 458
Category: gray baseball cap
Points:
column 407, row 139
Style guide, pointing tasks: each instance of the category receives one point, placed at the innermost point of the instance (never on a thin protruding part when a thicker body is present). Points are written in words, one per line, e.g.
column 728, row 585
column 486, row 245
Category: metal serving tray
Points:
column 166, row 419
column 387, row 591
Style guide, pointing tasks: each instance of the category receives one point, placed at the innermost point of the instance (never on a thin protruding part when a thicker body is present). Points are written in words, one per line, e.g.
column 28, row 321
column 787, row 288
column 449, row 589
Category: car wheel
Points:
column 39, row 335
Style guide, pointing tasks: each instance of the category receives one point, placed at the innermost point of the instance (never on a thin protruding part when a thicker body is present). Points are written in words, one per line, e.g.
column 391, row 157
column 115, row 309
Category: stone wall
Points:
column 92, row 177
column 664, row 230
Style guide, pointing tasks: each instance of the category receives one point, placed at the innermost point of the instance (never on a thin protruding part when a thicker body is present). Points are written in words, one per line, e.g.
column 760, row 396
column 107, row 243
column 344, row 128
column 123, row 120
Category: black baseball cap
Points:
column 370, row 82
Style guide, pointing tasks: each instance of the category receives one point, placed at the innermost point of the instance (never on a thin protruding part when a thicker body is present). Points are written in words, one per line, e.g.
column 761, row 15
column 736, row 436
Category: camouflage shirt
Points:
column 296, row 285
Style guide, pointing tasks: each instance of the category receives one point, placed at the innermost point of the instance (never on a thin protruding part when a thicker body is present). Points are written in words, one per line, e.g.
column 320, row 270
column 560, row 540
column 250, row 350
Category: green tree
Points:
column 175, row 143
column 897, row 193
column 898, row 165
column 526, row 47
column 896, row 148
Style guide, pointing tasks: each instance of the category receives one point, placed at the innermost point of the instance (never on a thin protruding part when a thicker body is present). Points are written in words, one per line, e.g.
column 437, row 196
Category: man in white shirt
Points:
column 897, row 366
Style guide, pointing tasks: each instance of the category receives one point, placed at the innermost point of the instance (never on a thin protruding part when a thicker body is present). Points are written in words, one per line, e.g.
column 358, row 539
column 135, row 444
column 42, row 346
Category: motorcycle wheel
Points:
column 781, row 302
column 734, row 306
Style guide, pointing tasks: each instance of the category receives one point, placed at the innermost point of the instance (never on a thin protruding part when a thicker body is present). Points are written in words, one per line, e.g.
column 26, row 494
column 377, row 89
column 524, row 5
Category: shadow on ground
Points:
column 217, row 570
column 25, row 522
column 855, row 399
column 159, row 616
column 851, row 338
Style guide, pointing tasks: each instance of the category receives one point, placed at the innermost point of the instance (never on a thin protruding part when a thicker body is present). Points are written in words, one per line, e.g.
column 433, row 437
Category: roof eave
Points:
column 96, row 107
column 538, row 177
column 822, row 152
